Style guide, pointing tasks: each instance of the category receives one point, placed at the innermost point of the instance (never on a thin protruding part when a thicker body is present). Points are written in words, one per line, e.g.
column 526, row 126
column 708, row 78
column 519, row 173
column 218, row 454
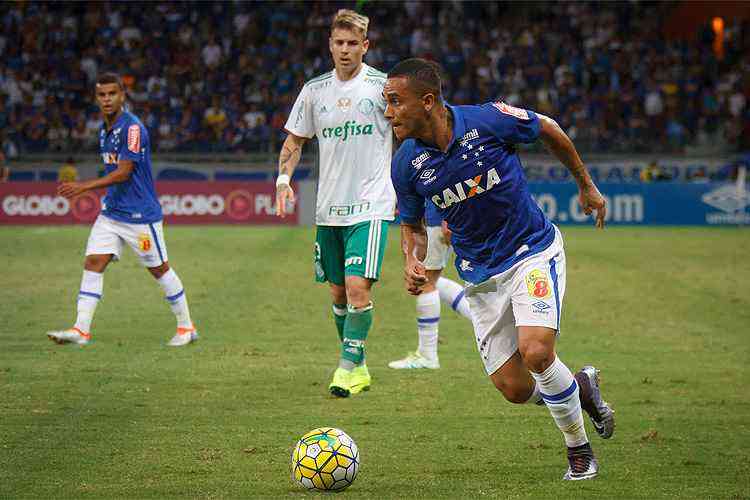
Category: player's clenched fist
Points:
column 415, row 277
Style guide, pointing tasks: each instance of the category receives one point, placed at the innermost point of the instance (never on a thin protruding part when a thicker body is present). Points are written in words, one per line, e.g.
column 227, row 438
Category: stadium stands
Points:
column 221, row 76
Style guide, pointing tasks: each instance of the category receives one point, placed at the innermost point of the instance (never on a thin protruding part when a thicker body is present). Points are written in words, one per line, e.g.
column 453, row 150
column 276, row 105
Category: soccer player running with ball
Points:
column 130, row 215
column 463, row 159
column 344, row 110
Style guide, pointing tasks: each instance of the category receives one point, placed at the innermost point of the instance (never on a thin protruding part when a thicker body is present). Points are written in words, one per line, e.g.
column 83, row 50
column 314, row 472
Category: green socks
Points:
column 356, row 327
column 339, row 316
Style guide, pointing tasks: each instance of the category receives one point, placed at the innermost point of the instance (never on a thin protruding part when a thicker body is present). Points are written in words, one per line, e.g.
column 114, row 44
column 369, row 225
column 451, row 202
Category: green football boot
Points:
column 341, row 383
column 360, row 380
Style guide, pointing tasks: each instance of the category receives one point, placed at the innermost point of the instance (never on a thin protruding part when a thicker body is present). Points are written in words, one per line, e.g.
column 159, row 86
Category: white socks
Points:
column 453, row 294
column 560, row 393
column 92, row 285
column 428, row 317
column 428, row 313
column 175, row 295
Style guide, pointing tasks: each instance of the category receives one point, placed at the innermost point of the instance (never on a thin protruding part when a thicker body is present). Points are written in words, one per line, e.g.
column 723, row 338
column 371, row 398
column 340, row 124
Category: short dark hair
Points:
column 109, row 77
column 423, row 75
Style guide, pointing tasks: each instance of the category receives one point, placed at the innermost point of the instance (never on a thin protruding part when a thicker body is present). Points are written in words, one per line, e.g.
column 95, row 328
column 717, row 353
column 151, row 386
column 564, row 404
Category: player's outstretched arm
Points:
column 559, row 144
column 291, row 152
column 414, row 246
column 121, row 174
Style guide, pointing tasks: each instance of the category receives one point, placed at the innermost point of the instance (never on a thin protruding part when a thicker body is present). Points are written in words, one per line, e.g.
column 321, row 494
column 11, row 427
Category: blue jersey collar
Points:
column 459, row 129
column 117, row 122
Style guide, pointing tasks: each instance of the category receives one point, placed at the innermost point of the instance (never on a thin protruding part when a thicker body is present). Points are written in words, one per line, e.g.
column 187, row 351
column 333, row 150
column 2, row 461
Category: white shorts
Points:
column 146, row 240
column 528, row 294
column 438, row 250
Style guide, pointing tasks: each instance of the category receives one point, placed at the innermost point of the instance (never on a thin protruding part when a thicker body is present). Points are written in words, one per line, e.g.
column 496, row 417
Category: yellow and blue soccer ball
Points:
column 325, row 459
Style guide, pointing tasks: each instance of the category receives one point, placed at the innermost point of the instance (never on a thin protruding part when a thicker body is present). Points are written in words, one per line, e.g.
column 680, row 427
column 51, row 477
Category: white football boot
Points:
column 70, row 336
column 184, row 336
column 414, row 360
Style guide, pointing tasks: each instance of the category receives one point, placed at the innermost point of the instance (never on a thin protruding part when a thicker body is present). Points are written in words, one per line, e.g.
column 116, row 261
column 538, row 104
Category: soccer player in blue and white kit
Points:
column 463, row 159
column 437, row 289
column 131, row 214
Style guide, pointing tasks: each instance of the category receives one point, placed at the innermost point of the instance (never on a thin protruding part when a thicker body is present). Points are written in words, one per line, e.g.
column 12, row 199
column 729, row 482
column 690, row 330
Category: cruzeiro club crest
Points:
column 365, row 106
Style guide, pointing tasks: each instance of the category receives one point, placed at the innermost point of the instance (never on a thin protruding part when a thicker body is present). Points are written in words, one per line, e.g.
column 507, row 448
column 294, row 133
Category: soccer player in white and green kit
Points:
column 344, row 110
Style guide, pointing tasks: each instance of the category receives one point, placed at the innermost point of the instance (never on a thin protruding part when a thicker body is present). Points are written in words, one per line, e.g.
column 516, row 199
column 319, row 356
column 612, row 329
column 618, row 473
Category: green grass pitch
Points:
column 665, row 313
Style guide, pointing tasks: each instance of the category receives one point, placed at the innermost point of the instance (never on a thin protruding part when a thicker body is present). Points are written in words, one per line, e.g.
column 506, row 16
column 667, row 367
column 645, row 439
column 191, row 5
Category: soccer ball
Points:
column 325, row 459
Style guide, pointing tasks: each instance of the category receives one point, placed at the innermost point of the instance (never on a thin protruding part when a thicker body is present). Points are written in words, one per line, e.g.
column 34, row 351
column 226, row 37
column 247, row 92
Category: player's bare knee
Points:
column 96, row 263
column 516, row 395
column 358, row 297
column 358, row 291
column 338, row 294
column 159, row 271
column 433, row 275
column 537, row 356
column 513, row 393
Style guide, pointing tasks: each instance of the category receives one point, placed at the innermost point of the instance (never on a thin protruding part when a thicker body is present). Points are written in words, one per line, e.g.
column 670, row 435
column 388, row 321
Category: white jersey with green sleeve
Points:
column 355, row 142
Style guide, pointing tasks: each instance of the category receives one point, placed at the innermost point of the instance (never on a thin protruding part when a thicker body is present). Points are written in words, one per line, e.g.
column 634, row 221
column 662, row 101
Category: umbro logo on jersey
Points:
column 427, row 173
column 540, row 306
column 476, row 185
column 466, row 265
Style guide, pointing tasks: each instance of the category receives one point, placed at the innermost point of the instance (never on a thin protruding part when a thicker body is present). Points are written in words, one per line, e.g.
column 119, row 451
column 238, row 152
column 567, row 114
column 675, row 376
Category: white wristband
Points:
column 282, row 179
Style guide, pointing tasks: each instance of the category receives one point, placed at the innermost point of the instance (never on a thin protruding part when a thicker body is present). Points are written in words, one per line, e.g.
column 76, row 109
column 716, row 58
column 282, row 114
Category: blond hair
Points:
column 350, row 20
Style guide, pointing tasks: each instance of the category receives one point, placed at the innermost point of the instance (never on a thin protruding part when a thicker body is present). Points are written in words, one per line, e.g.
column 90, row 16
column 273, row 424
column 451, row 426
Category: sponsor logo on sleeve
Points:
column 134, row 138
column 519, row 113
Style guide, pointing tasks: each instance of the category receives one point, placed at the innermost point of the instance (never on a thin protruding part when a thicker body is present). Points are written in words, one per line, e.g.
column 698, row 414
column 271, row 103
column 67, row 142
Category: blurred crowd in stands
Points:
column 222, row 76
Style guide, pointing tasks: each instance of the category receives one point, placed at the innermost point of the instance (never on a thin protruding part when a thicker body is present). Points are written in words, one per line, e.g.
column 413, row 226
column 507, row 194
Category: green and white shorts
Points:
column 355, row 250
